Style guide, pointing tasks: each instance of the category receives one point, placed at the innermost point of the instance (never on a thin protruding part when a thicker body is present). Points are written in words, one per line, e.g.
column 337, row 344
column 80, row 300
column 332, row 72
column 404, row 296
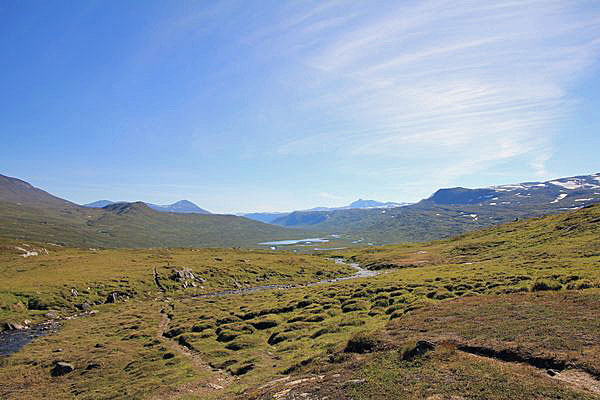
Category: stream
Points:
column 12, row 341
column 360, row 273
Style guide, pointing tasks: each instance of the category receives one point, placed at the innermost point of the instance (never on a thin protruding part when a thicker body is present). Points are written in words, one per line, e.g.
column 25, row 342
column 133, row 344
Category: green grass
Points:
column 31, row 286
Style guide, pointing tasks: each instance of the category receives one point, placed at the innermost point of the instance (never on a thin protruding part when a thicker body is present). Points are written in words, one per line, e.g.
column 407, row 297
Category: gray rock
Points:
column 13, row 326
column 51, row 315
column 553, row 372
column 62, row 368
column 92, row 366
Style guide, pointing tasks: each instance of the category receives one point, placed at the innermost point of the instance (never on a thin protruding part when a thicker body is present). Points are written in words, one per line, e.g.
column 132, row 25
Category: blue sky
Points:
column 273, row 105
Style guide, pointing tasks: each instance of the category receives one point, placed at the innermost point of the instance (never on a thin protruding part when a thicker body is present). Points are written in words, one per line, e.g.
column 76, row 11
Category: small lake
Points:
column 288, row 242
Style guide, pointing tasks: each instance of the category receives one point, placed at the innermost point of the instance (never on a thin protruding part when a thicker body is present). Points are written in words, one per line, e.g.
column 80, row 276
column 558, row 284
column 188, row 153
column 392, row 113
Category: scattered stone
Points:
column 27, row 322
column 115, row 296
column 92, row 366
column 354, row 382
column 58, row 351
column 214, row 386
column 304, row 380
column 74, row 292
column 13, row 326
column 84, row 306
column 282, row 393
column 62, row 368
column 553, row 372
column 168, row 356
column 51, row 315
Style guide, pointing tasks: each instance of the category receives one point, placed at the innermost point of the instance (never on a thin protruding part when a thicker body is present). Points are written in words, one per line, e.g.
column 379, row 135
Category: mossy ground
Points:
column 530, row 285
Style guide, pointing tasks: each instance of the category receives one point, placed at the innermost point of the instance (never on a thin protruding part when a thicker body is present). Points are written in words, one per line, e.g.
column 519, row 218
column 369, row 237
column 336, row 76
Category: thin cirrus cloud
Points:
column 440, row 77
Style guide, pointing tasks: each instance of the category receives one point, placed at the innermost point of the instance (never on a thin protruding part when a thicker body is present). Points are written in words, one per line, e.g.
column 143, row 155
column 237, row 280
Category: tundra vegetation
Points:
column 505, row 312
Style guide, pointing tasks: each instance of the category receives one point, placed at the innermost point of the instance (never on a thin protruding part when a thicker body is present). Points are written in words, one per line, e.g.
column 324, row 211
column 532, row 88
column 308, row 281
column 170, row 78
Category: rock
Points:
column 168, row 356
column 553, row 372
column 112, row 298
column 214, row 386
column 58, row 351
column 62, row 368
column 74, row 292
column 92, row 366
column 354, row 382
column 51, row 315
column 27, row 322
column 13, row 326
column 186, row 277
column 84, row 306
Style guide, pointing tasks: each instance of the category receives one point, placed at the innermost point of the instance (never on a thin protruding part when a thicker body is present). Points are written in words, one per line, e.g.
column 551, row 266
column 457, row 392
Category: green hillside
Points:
column 29, row 213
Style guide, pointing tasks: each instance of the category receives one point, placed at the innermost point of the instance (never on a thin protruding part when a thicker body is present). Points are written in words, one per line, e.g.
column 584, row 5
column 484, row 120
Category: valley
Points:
column 186, row 323
column 300, row 200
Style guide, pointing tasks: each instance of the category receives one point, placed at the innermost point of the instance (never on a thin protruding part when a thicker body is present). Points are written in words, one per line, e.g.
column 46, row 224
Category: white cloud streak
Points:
column 478, row 82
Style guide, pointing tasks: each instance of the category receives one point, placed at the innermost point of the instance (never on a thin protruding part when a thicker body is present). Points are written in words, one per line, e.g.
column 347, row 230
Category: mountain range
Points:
column 271, row 217
column 29, row 213
column 452, row 211
column 181, row 206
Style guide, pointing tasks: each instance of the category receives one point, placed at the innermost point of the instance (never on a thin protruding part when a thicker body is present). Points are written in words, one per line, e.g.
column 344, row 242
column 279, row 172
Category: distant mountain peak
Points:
column 124, row 207
column 181, row 206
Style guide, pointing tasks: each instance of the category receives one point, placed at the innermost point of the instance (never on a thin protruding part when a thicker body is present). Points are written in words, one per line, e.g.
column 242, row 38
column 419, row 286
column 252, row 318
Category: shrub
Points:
column 419, row 349
column 545, row 284
column 579, row 285
column 362, row 342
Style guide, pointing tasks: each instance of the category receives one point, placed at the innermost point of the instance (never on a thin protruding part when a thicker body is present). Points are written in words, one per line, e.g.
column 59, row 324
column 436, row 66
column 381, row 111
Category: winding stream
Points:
column 360, row 273
column 13, row 341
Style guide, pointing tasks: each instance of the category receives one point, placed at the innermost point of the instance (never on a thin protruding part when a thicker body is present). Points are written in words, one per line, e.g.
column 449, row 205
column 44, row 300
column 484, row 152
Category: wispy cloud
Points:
column 472, row 83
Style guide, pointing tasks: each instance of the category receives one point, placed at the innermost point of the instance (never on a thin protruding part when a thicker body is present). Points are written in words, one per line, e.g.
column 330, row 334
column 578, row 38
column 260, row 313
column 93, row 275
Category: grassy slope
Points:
column 138, row 226
column 436, row 292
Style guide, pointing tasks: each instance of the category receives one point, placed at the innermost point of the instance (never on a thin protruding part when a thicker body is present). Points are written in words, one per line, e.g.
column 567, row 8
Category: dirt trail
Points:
column 211, row 381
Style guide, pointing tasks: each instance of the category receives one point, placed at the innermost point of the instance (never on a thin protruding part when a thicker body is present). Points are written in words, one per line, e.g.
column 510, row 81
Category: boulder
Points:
column 51, row 315
column 13, row 326
column 62, row 368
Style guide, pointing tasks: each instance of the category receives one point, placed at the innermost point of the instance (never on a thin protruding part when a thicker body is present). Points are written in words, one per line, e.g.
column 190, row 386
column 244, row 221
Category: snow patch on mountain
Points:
column 570, row 185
